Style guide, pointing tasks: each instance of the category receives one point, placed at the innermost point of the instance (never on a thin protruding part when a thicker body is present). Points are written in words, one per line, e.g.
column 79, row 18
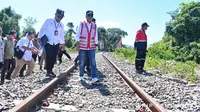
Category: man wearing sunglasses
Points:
column 87, row 38
column 53, row 30
column 1, row 48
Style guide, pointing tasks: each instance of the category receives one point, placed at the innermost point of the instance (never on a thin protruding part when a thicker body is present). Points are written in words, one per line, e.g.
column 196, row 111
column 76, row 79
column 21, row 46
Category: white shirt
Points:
column 49, row 27
column 78, row 32
column 28, row 43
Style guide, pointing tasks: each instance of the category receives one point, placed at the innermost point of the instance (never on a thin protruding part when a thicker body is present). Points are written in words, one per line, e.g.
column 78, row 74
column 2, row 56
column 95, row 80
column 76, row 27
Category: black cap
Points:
column 94, row 20
column 89, row 12
column 145, row 24
column 60, row 12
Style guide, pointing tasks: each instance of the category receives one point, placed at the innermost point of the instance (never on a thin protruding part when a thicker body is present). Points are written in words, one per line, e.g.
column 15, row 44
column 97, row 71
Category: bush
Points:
column 162, row 57
column 161, row 50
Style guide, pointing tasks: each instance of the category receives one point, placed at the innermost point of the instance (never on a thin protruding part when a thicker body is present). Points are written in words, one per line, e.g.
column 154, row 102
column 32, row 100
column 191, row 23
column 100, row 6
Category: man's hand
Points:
column 39, row 41
column 77, row 46
column 62, row 47
column 135, row 49
column 34, row 51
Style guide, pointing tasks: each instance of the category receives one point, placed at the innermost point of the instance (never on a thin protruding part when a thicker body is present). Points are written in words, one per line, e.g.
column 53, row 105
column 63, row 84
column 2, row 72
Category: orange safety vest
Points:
column 87, row 38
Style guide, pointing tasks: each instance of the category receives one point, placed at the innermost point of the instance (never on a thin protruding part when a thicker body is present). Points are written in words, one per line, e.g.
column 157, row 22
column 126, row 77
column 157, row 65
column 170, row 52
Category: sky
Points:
column 125, row 14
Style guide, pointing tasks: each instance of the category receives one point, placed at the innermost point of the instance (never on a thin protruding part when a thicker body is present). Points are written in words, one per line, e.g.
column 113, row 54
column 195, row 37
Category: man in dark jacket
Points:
column 141, row 48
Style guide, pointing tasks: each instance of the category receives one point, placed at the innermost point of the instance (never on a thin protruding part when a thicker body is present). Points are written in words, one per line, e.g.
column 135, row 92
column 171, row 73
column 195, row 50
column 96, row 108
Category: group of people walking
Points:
column 49, row 44
column 50, row 41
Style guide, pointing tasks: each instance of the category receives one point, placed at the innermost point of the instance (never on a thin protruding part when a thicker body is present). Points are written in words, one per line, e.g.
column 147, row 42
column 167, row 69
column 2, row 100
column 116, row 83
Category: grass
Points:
column 183, row 70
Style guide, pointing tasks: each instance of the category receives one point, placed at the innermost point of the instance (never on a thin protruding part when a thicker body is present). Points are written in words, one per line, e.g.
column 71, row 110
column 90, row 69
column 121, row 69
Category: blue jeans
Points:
column 91, row 55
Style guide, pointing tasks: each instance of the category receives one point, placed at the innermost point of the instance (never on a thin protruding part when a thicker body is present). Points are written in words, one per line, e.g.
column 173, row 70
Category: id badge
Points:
column 56, row 33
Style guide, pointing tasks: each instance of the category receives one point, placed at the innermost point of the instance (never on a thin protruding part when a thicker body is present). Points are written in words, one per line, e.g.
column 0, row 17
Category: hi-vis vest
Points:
column 87, row 37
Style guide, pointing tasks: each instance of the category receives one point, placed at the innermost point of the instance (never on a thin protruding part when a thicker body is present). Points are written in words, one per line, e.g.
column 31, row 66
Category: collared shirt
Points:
column 8, row 48
column 28, row 43
column 1, row 48
column 78, row 33
column 49, row 28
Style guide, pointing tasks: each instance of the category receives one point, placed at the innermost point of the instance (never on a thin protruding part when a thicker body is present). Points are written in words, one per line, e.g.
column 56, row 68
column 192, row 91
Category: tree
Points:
column 111, row 37
column 29, row 23
column 9, row 20
column 183, row 31
column 185, row 25
column 69, row 39
column 70, row 31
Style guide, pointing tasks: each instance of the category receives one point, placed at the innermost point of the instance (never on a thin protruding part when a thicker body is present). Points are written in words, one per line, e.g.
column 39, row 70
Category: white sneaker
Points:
column 89, row 78
column 94, row 80
column 81, row 78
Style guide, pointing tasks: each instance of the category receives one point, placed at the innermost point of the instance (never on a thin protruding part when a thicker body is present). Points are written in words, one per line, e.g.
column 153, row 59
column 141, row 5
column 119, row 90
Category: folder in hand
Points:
column 44, row 40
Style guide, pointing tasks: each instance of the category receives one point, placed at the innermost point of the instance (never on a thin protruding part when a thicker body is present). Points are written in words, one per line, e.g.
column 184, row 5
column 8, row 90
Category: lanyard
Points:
column 57, row 25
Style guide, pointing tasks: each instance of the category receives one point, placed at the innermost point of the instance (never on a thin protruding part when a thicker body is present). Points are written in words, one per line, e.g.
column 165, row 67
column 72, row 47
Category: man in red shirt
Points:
column 141, row 48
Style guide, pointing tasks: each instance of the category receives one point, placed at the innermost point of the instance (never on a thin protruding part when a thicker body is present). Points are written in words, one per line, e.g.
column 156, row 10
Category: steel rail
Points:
column 33, row 99
column 149, row 101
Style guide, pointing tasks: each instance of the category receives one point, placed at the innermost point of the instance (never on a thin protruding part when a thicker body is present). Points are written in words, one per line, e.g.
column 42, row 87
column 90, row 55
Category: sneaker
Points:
column 81, row 78
column 89, row 78
column 95, row 80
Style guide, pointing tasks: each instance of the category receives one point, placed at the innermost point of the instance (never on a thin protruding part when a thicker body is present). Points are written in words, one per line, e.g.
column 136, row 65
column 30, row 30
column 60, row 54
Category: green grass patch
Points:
column 162, row 62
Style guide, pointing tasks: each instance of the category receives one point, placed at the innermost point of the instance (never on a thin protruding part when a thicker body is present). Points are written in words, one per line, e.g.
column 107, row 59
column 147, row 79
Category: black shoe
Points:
column 21, row 75
column 139, row 71
column 40, row 68
column 51, row 74
column 8, row 78
column 2, row 82
column 144, row 71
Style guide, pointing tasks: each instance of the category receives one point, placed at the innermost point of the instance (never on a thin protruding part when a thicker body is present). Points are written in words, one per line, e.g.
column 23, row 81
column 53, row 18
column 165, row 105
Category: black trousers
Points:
column 39, row 58
column 76, row 59
column 34, row 57
column 140, row 59
column 60, row 54
column 51, row 54
column 21, row 73
column 1, row 65
column 6, row 67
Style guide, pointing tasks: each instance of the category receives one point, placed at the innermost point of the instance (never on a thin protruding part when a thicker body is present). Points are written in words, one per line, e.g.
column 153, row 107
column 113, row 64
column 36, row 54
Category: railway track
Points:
column 51, row 90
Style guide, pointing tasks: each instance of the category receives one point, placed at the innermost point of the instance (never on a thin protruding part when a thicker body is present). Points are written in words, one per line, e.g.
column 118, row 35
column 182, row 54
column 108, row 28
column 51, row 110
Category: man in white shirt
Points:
column 1, row 48
column 26, row 44
column 87, row 39
column 54, row 31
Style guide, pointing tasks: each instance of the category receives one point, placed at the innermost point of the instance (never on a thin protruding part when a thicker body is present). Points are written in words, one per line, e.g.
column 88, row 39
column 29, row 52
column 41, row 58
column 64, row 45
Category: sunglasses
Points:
column 89, row 15
column 60, row 17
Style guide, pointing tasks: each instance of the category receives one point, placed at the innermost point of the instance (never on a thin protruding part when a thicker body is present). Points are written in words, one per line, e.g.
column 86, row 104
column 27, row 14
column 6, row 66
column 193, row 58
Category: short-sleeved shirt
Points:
column 28, row 43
